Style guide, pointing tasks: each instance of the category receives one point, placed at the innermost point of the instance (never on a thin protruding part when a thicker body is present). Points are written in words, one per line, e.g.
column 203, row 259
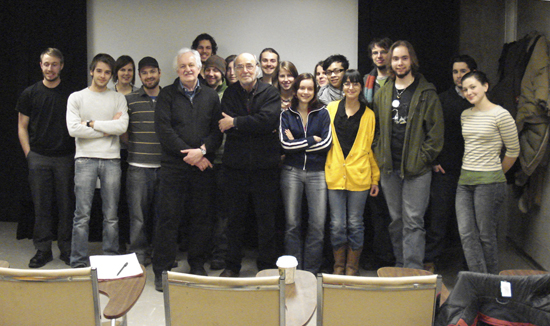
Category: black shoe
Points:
column 198, row 270
column 158, row 282
column 147, row 261
column 40, row 259
column 144, row 259
column 217, row 264
column 66, row 258
column 229, row 273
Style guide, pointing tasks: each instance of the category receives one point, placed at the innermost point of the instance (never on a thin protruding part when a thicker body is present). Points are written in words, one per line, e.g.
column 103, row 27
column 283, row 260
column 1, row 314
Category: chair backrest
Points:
column 521, row 272
column 205, row 300
column 357, row 300
column 49, row 297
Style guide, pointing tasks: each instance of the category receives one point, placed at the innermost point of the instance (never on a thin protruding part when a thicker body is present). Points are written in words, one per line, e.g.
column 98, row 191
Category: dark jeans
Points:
column 377, row 247
column 49, row 177
column 219, row 251
column 440, row 213
column 176, row 185
column 142, row 191
column 263, row 187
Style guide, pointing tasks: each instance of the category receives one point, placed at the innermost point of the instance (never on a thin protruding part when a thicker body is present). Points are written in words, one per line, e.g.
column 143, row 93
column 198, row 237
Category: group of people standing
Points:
column 230, row 137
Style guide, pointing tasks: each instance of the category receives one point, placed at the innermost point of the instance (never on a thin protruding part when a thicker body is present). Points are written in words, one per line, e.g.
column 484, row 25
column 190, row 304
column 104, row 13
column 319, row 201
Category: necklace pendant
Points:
column 395, row 103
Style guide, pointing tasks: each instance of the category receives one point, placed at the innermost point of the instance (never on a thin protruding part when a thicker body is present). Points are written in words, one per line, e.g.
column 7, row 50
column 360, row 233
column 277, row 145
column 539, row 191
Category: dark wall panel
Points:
column 432, row 27
column 27, row 28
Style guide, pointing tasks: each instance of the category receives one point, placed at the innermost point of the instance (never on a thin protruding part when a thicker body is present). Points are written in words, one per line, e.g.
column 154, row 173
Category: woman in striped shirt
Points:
column 486, row 128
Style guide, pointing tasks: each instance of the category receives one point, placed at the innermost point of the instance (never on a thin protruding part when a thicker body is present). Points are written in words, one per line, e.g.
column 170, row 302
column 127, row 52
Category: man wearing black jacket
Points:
column 446, row 170
column 186, row 122
column 250, row 111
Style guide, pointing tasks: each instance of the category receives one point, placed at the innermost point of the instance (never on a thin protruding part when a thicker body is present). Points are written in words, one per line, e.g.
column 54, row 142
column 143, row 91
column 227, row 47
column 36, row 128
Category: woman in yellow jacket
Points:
column 351, row 172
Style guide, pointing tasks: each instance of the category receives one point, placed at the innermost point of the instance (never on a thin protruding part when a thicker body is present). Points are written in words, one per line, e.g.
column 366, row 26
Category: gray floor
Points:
column 149, row 310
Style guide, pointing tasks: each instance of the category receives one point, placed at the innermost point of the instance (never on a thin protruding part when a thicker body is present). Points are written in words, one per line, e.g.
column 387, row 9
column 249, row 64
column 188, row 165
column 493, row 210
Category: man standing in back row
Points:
column 269, row 62
column 50, row 154
column 446, row 170
column 408, row 139
column 214, row 74
column 206, row 46
column 377, row 247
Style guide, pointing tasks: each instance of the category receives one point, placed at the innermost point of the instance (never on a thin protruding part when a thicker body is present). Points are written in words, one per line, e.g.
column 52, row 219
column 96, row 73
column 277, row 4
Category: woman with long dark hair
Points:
column 230, row 71
column 286, row 74
column 306, row 137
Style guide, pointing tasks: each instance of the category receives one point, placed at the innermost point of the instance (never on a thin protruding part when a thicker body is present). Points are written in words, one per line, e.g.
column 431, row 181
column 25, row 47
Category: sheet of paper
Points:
column 116, row 266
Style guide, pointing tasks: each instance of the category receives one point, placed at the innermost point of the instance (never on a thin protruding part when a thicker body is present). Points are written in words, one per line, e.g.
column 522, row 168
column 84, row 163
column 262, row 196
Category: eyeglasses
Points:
column 248, row 67
column 334, row 72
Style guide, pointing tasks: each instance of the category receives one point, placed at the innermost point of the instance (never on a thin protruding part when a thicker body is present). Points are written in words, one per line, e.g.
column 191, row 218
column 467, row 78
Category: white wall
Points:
column 303, row 32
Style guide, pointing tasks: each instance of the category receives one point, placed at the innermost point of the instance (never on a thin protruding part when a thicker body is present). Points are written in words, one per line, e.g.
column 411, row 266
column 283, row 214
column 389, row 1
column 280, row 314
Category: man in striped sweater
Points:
column 144, row 152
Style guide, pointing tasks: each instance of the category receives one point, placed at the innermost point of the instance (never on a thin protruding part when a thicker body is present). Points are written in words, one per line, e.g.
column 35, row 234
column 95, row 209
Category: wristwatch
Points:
column 203, row 151
column 88, row 123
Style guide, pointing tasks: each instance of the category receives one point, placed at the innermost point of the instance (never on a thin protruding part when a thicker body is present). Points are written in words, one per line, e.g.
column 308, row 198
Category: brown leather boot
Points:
column 339, row 260
column 352, row 263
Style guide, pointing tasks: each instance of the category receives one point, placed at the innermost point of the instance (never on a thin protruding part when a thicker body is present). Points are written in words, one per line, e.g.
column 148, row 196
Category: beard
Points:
column 404, row 74
column 155, row 84
column 51, row 79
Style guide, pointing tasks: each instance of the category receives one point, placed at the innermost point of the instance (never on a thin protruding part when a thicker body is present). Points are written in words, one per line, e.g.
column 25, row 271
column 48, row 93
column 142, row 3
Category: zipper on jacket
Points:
column 305, row 129
column 305, row 134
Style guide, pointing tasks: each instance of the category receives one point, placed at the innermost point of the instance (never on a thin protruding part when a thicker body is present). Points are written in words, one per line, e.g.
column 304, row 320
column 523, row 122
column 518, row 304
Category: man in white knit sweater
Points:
column 96, row 117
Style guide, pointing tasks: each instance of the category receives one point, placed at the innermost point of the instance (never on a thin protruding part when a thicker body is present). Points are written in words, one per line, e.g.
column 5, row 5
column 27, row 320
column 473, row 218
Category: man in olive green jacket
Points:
column 409, row 137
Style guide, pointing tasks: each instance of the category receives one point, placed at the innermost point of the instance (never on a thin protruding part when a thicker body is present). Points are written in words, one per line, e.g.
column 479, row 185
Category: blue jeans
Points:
column 86, row 172
column 52, row 177
column 346, row 218
column 477, row 210
column 142, row 192
column 407, row 202
column 293, row 182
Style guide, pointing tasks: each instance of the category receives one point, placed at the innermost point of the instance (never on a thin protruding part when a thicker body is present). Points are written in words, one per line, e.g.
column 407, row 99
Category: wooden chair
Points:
column 357, row 300
column 49, row 297
column 204, row 300
column 521, row 272
column 401, row 271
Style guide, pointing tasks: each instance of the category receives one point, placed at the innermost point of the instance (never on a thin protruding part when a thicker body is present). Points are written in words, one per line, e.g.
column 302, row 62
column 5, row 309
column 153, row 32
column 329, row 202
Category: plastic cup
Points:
column 287, row 267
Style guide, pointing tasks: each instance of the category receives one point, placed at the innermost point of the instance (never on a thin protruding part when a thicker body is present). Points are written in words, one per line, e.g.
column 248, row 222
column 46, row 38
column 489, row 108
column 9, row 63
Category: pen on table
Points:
column 125, row 264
